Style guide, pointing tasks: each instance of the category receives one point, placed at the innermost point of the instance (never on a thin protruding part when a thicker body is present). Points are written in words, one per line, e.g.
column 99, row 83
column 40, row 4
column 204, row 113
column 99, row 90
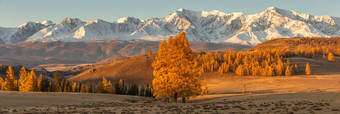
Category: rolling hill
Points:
column 138, row 69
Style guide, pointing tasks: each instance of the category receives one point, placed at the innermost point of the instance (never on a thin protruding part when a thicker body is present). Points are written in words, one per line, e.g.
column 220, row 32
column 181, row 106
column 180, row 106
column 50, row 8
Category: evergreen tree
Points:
column 308, row 70
column 79, row 87
column 142, row 91
column 330, row 57
column 31, row 84
column 82, row 89
column 133, row 89
column 148, row 92
column 117, row 87
column 57, row 82
column 66, row 85
column 23, row 79
column 10, row 80
column 40, row 82
column 43, row 84
column 88, row 87
column 51, row 87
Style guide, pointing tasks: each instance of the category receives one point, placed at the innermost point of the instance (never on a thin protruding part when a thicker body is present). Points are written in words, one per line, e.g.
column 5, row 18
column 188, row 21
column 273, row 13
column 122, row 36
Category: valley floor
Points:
column 295, row 94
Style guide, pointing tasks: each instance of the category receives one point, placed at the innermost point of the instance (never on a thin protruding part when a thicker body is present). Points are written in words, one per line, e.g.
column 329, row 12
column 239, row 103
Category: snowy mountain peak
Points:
column 128, row 20
column 211, row 26
column 214, row 12
column 72, row 21
column 46, row 22
column 181, row 9
column 96, row 21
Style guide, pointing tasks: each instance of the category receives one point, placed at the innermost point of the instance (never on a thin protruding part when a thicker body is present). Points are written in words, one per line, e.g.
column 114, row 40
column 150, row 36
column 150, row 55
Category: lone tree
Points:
column 308, row 71
column 330, row 57
column 176, row 71
column 10, row 80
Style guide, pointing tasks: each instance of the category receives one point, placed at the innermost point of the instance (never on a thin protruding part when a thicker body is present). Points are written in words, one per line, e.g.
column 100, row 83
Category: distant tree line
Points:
column 261, row 62
column 28, row 82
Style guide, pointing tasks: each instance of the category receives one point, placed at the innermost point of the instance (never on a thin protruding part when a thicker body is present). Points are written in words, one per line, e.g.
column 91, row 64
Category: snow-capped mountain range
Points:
column 213, row 26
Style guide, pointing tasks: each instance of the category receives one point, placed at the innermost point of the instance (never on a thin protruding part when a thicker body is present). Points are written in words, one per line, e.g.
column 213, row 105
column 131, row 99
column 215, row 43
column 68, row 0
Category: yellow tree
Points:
column 74, row 87
column 308, row 70
column 31, row 84
column 160, row 72
column 10, row 80
column 149, row 53
column 239, row 70
column 289, row 71
column 176, row 71
column 2, row 83
column 107, row 85
column 280, row 67
column 330, row 57
column 23, row 79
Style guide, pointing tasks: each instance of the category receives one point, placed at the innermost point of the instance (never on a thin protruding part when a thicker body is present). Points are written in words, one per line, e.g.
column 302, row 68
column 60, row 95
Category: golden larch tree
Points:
column 2, row 84
column 23, row 79
column 330, row 57
column 289, row 71
column 107, row 85
column 176, row 71
column 31, row 84
column 308, row 70
column 10, row 80
column 74, row 87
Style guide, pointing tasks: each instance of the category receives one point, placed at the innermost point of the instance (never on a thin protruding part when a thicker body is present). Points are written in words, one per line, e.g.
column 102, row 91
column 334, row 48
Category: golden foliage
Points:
column 176, row 71
column 308, row 70
column 10, row 83
column 23, row 79
column 31, row 84
column 330, row 57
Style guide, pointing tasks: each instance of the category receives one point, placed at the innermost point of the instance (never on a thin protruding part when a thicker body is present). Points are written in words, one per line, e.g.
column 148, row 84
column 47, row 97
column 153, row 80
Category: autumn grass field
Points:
column 298, row 94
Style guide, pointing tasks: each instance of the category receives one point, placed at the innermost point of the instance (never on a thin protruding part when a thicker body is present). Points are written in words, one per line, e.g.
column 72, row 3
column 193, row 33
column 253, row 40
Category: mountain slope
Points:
column 137, row 69
column 32, row 54
column 213, row 26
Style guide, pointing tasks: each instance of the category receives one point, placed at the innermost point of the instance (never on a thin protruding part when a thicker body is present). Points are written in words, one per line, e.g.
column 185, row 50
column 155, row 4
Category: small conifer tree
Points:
column 57, row 82
column 2, row 84
column 23, row 79
column 289, row 71
column 10, row 80
column 308, row 70
column 330, row 57
column 74, row 87
column 31, row 84
column 88, row 87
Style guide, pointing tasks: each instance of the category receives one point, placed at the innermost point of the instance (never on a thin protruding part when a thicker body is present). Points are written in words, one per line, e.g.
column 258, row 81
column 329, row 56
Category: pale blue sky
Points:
column 16, row 12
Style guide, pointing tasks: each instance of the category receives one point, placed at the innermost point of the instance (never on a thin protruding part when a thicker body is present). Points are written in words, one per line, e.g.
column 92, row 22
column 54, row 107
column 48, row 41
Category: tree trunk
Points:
column 175, row 97
column 183, row 99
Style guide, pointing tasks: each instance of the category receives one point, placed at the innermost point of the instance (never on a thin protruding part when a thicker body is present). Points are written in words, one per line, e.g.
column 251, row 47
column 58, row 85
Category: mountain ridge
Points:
column 214, row 26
